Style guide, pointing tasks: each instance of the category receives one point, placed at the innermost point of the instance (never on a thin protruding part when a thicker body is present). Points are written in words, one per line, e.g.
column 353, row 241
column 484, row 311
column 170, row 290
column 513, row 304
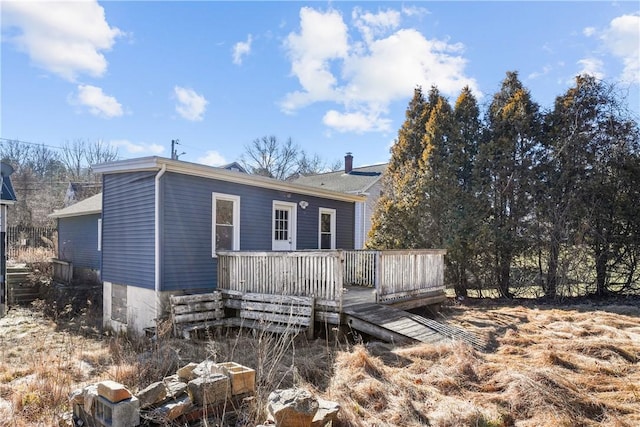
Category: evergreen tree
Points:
column 436, row 176
column 394, row 223
column 505, row 166
column 593, row 152
column 466, row 212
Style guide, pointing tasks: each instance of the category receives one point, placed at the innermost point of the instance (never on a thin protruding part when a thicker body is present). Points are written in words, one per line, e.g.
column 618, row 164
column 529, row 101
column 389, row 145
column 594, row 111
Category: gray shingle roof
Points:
column 92, row 205
column 357, row 181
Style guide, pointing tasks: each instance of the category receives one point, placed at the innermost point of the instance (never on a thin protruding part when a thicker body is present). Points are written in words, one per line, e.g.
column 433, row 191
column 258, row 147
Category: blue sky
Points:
column 335, row 77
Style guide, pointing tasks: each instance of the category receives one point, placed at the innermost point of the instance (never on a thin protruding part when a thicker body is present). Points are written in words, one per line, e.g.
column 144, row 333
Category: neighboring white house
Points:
column 365, row 180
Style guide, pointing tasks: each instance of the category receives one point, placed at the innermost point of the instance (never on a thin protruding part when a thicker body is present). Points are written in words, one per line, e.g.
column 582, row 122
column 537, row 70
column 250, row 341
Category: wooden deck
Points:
column 366, row 290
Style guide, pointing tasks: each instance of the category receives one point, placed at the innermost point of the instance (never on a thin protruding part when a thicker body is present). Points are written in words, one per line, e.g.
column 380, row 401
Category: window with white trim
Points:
column 225, row 230
column 327, row 228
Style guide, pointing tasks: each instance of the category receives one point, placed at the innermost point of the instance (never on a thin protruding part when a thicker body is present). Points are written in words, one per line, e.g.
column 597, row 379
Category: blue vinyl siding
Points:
column 128, row 233
column 186, row 224
column 308, row 223
column 78, row 241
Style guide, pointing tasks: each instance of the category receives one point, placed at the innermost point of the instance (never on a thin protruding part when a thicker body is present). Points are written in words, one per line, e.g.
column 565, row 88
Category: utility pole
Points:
column 174, row 152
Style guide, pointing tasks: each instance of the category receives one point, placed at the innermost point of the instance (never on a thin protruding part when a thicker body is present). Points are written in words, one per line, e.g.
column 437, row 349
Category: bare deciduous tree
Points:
column 266, row 156
column 79, row 155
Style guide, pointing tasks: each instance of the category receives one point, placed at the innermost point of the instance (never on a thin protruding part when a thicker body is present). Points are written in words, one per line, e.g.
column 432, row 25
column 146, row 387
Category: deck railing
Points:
column 395, row 274
column 308, row 273
column 405, row 274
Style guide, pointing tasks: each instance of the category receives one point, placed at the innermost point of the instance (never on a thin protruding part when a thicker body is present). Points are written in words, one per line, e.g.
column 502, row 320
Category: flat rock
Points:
column 175, row 387
column 171, row 410
column 209, row 390
column 327, row 413
column 292, row 407
column 90, row 397
column 204, row 369
column 186, row 372
column 154, row 393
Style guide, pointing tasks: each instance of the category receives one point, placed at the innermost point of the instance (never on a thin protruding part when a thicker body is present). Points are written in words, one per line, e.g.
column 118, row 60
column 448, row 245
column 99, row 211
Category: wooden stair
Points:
column 21, row 290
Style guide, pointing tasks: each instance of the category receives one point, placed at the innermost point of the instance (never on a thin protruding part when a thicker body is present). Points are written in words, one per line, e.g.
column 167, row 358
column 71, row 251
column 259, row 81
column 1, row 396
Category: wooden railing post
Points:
column 378, row 273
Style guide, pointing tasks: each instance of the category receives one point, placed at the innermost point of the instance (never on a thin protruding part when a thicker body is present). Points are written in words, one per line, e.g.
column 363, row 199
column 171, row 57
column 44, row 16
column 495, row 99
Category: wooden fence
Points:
column 25, row 241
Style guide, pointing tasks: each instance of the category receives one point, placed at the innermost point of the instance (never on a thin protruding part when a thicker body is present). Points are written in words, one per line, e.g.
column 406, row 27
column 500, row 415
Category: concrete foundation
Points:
column 142, row 309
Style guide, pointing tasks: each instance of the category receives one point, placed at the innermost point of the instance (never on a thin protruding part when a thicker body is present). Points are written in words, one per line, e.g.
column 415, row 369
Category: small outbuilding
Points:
column 79, row 241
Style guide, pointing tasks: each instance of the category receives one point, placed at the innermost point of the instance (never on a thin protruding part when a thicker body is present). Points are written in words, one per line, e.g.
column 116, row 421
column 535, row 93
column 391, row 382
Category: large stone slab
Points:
column 152, row 394
column 204, row 369
column 186, row 372
column 327, row 413
column 209, row 390
column 292, row 407
column 171, row 410
column 175, row 387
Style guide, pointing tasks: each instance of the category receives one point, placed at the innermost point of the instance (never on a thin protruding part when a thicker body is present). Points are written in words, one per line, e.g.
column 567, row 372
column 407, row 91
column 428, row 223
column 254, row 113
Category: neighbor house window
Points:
column 226, row 223
column 327, row 229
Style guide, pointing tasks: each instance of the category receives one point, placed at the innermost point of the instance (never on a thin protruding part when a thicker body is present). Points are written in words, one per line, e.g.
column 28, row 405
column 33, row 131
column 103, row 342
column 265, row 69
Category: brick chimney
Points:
column 348, row 163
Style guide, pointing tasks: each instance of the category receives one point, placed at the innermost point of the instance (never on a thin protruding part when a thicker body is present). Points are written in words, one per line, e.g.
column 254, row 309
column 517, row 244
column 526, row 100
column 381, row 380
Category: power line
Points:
column 30, row 143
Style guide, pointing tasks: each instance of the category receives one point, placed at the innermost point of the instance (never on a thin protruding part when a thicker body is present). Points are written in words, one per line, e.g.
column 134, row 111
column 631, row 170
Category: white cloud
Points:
column 415, row 11
column 622, row 39
column 371, row 25
column 545, row 70
column 98, row 103
column 591, row 66
column 589, row 31
column 357, row 122
column 65, row 38
column 212, row 158
column 241, row 49
column 191, row 106
column 322, row 38
column 365, row 76
column 138, row 149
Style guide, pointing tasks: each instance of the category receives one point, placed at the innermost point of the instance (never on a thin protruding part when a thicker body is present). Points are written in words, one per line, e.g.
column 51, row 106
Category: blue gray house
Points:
column 163, row 221
column 79, row 241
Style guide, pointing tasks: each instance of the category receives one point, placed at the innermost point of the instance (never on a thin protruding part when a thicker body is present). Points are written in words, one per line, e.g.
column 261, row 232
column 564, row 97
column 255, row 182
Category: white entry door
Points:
column 284, row 226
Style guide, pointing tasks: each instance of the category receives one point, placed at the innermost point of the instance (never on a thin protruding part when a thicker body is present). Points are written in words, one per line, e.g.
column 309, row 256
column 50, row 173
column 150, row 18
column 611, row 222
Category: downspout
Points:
column 161, row 172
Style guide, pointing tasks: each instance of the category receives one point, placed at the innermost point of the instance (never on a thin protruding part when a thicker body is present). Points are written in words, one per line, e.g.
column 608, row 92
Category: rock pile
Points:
column 189, row 394
column 192, row 388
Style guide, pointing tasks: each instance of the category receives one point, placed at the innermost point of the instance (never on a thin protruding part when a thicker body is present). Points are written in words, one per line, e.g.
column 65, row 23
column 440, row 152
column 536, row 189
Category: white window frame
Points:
column 99, row 234
column 331, row 212
column 236, row 220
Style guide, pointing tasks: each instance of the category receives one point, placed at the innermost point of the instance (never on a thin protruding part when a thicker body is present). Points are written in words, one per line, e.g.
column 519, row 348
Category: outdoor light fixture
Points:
column 303, row 204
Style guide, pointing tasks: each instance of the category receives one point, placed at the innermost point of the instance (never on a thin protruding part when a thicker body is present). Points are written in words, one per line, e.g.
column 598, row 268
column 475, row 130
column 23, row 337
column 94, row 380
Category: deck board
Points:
column 392, row 324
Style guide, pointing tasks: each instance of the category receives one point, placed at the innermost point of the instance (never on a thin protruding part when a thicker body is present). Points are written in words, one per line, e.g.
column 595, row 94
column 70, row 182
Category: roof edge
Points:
column 69, row 215
column 204, row 171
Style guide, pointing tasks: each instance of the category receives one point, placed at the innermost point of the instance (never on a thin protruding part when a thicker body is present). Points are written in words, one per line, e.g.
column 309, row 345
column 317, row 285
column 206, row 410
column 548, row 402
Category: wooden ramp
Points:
column 401, row 327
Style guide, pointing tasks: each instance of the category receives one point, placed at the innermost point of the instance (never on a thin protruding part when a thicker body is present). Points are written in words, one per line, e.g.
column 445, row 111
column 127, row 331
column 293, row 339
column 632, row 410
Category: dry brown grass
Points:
column 551, row 366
